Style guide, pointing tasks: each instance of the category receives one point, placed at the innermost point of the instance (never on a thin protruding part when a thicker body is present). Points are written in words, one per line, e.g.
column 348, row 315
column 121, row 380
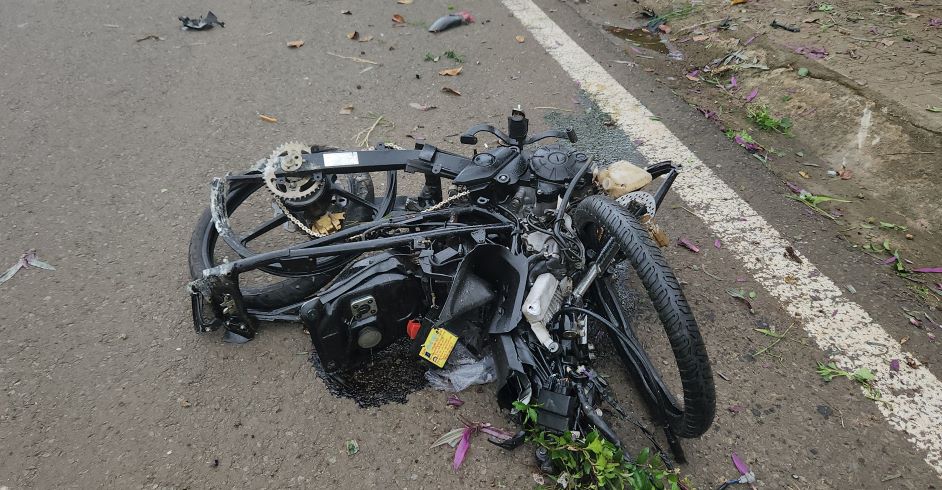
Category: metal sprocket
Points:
column 289, row 157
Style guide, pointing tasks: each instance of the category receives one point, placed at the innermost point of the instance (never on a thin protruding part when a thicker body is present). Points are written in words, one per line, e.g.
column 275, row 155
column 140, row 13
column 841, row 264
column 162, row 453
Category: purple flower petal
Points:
column 794, row 188
column 935, row 22
column 733, row 83
column 752, row 95
column 688, row 245
column 894, row 365
column 736, row 408
column 454, row 401
column 462, row 450
column 739, row 464
column 717, row 243
column 937, row 270
column 889, row 260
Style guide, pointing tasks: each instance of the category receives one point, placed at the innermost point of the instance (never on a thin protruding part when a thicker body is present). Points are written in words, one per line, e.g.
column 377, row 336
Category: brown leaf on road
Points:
column 354, row 35
column 451, row 72
column 267, row 118
column 520, row 39
column 449, row 90
column 737, row 2
column 404, row 2
column 346, row 12
column 347, row 110
column 398, row 19
column 365, row 39
column 421, row 107
column 295, row 44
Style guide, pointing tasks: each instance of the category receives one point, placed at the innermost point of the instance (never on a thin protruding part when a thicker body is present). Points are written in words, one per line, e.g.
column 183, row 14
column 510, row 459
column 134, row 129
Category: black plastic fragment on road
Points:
column 391, row 376
column 202, row 23
column 776, row 24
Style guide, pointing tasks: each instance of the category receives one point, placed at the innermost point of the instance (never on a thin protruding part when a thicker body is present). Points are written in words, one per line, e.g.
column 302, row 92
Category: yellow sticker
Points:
column 438, row 346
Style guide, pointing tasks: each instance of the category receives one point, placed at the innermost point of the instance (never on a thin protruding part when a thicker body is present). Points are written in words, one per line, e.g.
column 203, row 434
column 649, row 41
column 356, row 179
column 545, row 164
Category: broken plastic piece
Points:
column 621, row 177
column 202, row 23
column 451, row 20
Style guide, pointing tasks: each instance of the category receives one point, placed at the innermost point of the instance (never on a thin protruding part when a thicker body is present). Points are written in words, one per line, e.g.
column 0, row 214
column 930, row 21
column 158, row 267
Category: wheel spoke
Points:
column 353, row 197
column 264, row 228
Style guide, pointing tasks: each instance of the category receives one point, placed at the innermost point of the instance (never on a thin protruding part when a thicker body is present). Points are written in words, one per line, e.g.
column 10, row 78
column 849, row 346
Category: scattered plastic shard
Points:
column 451, row 20
column 202, row 23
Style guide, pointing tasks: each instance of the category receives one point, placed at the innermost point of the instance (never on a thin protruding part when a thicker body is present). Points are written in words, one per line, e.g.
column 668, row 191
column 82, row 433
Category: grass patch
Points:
column 762, row 116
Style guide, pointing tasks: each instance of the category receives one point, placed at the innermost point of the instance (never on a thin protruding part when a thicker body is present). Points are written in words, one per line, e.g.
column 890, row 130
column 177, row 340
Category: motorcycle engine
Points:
column 554, row 166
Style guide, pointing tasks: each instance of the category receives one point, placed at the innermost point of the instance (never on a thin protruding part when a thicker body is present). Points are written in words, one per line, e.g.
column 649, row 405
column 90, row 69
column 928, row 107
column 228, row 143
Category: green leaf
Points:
column 752, row 295
column 803, row 72
column 770, row 333
column 863, row 375
column 886, row 244
column 932, row 108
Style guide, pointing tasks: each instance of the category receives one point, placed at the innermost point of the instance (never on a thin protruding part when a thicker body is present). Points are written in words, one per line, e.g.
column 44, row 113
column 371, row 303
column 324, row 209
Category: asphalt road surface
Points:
column 108, row 141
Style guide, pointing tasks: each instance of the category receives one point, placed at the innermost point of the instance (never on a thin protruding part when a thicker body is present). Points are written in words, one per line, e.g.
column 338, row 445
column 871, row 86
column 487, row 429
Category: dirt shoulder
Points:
column 826, row 109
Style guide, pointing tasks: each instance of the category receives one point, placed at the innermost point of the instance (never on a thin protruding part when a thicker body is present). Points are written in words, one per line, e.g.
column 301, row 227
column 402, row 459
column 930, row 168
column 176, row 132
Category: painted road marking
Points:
column 835, row 323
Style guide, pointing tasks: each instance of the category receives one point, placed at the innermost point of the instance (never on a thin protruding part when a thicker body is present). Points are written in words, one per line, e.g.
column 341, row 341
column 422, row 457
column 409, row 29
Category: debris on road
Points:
column 862, row 376
column 454, row 401
column 929, row 270
column 741, row 294
column 686, row 243
column 778, row 25
column 352, row 447
column 27, row 260
column 267, row 118
column 295, row 44
column 451, row 20
column 398, row 19
column 450, row 72
column 202, row 23
column 449, row 90
column 352, row 58
column 421, row 107
column 347, row 110
column 362, row 138
column 520, row 39
column 155, row 37
column 460, row 439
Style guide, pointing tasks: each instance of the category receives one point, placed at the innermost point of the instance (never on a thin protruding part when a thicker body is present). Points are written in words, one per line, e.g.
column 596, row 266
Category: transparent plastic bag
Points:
column 462, row 370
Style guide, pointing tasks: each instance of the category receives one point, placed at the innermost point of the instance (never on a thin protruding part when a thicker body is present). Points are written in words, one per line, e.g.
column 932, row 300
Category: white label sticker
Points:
column 341, row 159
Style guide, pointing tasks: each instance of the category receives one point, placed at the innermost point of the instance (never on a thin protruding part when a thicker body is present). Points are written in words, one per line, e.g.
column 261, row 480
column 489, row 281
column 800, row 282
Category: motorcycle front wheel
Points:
column 598, row 218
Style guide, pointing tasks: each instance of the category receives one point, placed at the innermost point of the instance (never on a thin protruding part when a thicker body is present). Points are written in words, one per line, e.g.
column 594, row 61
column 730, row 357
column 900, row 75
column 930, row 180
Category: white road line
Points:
column 913, row 396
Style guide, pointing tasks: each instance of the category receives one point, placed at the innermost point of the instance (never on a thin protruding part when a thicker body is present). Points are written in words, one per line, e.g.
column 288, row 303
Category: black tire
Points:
column 283, row 293
column 599, row 213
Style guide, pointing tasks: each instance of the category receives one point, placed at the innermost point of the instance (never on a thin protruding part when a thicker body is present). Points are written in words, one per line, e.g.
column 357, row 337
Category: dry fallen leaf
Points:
column 421, row 107
column 520, row 39
column 346, row 12
column 271, row 119
column 737, row 2
column 887, row 42
column 804, row 174
column 700, row 38
column 449, row 90
column 295, row 44
column 398, row 19
column 404, row 2
column 353, row 35
column 451, row 72
column 366, row 39
column 347, row 110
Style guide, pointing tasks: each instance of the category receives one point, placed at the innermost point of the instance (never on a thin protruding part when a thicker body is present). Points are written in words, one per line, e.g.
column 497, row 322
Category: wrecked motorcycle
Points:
column 523, row 255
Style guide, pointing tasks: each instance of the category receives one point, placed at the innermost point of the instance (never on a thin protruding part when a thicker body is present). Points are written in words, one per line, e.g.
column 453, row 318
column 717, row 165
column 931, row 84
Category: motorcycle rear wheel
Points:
column 597, row 217
column 277, row 294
